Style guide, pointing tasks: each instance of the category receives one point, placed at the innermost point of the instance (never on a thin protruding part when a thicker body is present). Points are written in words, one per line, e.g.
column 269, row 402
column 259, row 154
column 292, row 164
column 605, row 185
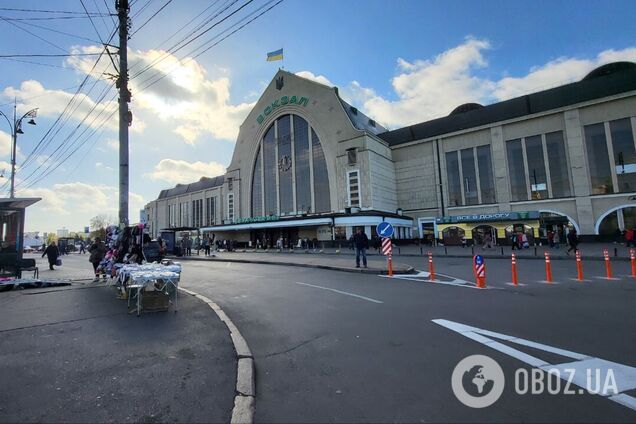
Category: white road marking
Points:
column 341, row 292
column 625, row 375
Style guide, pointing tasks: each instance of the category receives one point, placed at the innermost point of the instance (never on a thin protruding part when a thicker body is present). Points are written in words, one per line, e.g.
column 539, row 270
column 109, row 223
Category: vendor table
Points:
column 137, row 278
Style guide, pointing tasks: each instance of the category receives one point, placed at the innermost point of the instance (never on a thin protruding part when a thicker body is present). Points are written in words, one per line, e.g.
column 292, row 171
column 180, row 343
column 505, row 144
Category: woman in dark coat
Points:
column 52, row 253
column 97, row 252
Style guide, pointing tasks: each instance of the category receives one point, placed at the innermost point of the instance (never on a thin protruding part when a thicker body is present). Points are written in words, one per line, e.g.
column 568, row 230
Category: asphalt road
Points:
column 326, row 356
column 332, row 346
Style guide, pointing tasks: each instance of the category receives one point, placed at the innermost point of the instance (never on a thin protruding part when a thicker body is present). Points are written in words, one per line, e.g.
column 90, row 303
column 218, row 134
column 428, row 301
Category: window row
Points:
column 470, row 176
column 611, row 156
column 537, row 167
column 190, row 214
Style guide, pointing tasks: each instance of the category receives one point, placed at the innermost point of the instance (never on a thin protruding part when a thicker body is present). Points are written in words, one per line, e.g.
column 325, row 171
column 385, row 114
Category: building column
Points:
column 498, row 151
column 579, row 172
column 367, row 230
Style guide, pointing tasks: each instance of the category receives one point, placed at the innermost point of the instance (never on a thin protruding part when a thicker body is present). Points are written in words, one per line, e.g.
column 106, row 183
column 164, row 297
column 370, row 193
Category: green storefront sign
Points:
column 283, row 101
column 489, row 217
column 256, row 219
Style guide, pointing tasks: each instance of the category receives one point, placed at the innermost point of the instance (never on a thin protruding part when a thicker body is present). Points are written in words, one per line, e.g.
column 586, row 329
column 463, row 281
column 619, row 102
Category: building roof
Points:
column 361, row 121
column 607, row 80
column 202, row 184
column 18, row 202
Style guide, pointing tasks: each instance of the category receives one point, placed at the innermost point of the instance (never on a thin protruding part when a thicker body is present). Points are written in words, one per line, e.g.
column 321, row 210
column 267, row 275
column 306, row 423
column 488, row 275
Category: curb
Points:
column 408, row 270
column 243, row 411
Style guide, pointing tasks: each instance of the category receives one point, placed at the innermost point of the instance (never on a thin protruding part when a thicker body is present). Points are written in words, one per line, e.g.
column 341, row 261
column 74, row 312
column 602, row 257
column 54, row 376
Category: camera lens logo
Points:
column 478, row 381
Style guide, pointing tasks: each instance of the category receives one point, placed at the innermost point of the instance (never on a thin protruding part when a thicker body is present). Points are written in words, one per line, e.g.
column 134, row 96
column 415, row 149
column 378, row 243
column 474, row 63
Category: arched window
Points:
column 290, row 172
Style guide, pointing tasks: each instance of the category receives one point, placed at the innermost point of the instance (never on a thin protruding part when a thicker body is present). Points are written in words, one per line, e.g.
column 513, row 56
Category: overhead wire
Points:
column 150, row 18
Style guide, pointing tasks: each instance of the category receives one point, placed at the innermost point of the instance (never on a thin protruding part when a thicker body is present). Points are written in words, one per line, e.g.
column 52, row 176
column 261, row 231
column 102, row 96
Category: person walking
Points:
column 82, row 248
column 550, row 239
column 573, row 241
column 52, row 253
column 206, row 245
column 361, row 243
column 97, row 252
column 487, row 241
column 629, row 237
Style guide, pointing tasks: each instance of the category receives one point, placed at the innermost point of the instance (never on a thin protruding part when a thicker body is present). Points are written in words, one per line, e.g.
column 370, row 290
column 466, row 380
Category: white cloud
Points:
column 317, row 78
column 185, row 96
column 180, row 171
column 100, row 165
column 427, row 89
column 74, row 204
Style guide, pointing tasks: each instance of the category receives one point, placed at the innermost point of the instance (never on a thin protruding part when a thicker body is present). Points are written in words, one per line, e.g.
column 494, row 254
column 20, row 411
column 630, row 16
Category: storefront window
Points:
column 257, row 187
column 340, row 233
column 453, row 236
column 452, row 172
column 558, row 165
column 321, row 179
column 486, row 180
column 301, row 152
column 516, row 170
column 536, row 168
column 624, row 154
column 598, row 159
column 469, row 177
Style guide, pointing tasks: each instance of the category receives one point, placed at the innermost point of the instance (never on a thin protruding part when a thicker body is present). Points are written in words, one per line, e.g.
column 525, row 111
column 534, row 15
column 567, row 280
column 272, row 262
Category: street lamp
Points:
column 16, row 128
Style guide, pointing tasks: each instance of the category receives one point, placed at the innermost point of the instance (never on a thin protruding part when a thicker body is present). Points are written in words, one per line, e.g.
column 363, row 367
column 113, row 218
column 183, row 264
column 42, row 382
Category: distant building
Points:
column 308, row 165
column 62, row 233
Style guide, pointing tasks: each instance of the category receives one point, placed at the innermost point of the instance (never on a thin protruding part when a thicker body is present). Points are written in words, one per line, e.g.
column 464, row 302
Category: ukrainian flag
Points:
column 275, row 55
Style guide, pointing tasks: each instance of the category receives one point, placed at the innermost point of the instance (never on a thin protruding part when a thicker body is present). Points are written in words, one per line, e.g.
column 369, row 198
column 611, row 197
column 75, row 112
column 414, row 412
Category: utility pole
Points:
column 125, row 116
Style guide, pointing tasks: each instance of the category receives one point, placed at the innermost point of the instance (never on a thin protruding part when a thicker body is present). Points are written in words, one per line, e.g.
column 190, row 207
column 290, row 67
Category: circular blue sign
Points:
column 385, row 229
column 479, row 260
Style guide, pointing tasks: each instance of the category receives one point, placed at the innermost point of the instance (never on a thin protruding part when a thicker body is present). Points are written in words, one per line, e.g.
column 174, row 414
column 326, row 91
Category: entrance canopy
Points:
column 283, row 223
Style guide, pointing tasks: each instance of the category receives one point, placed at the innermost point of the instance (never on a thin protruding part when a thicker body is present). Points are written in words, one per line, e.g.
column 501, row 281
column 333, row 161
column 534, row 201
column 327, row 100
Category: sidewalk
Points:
column 74, row 354
column 377, row 264
column 589, row 251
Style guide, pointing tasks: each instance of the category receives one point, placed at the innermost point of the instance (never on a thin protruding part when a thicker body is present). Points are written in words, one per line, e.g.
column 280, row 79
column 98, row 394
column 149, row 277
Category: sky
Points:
column 399, row 61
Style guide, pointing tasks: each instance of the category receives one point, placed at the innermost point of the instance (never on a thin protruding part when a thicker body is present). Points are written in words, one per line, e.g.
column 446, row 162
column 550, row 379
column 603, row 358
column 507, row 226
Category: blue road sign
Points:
column 385, row 229
column 479, row 260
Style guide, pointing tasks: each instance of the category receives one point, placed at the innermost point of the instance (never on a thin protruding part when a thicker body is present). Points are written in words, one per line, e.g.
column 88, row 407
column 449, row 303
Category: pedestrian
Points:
column 206, row 245
column 197, row 244
column 550, row 239
column 97, row 252
column 513, row 240
column 82, row 249
column 189, row 241
column 487, row 241
column 183, row 246
column 524, row 241
column 573, row 241
column 52, row 253
column 464, row 241
column 629, row 237
column 361, row 243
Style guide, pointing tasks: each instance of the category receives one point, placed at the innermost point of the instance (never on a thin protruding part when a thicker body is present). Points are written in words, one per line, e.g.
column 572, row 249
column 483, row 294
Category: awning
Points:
column 18, row 203
column 271, row 224
column 361, row 220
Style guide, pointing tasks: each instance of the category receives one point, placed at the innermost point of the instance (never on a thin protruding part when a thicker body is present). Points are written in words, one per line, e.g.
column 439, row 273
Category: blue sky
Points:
column 400, row 61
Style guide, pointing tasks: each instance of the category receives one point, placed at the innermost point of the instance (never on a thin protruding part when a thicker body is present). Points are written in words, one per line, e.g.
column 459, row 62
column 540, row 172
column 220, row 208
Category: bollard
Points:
column 515, row 281
column 615, row 252
column 608, row 265
column 579, row 266
column 535, row 251
column 445, row 250
column 548, row 268
column 472, row 250
column 431, row 267
column 479, row 270
column 502, row 251
column 421, row 251
column 390, row 266
column 632, row 257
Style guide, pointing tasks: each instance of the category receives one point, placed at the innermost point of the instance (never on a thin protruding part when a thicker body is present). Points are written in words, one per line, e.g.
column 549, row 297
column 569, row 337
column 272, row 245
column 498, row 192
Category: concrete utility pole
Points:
column 125, row 116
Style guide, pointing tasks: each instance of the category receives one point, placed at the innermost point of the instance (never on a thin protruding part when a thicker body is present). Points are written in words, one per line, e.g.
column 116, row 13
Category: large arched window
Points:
column 290, row 172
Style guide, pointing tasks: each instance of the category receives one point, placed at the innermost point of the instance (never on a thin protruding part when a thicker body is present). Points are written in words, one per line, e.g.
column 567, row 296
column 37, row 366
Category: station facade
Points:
column 307, row 165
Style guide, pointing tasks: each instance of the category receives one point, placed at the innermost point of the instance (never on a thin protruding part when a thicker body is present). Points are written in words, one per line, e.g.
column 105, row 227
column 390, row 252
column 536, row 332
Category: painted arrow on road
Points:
column 625, row 375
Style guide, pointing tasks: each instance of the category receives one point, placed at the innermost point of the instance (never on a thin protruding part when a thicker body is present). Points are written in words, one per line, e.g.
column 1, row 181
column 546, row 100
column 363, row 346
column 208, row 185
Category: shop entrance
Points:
column 480, row 234
column 523, row 234
column 266, row 239
column 453, row 236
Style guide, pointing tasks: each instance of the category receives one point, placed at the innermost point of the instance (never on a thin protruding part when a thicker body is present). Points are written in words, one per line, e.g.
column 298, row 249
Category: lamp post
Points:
column 16, row 128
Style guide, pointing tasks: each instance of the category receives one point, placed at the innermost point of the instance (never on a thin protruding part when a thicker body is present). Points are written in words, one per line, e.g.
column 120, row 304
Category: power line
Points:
column 49, row 55
column 150, row 18
column 34, row 63
column 34, row 35
column 60, row 32
column 92, row 23
column 68, row 12
column 46, row 18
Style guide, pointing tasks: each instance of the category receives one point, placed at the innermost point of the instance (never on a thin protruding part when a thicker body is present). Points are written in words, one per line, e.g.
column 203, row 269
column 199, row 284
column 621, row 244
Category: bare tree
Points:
column 99, row 224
